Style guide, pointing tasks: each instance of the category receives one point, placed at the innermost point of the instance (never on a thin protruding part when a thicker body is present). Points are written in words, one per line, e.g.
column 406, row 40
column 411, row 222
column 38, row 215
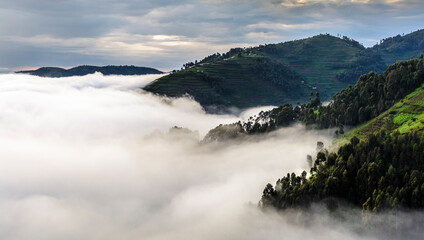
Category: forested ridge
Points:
column 384, row 170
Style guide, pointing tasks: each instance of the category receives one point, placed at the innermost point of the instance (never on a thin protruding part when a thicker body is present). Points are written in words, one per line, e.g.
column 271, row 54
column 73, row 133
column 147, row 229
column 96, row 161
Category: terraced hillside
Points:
column 324, row 64
column 242, row 81
column 318, row 59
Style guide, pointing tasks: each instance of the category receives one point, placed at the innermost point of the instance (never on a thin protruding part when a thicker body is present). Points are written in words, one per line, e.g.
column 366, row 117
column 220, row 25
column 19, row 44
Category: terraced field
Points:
column 226, row 82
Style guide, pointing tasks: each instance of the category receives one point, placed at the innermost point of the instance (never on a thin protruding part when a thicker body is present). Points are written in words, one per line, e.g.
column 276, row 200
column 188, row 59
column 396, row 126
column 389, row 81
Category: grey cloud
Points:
column 214, row 25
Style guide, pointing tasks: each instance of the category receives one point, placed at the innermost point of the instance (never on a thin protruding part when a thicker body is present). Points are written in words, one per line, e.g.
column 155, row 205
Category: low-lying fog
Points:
column 91, row 158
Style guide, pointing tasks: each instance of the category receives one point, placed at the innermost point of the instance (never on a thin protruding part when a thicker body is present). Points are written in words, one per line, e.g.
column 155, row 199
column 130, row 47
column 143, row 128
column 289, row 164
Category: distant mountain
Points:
column 84, row 70
column 287, row 72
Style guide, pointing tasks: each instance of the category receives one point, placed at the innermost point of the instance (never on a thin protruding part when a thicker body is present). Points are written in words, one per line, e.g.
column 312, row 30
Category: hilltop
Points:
column 86, row 69
column 287, row 72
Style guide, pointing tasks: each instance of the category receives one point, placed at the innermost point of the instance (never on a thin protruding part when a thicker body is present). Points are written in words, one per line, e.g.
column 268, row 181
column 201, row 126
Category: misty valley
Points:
column 315, row 137
column 105, row 159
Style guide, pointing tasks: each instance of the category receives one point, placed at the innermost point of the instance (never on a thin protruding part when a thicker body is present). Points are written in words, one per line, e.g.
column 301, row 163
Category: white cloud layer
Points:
column 90, row 158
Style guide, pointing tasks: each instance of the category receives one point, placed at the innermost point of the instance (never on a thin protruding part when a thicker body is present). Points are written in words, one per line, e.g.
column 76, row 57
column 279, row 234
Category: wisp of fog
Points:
column 92, row 157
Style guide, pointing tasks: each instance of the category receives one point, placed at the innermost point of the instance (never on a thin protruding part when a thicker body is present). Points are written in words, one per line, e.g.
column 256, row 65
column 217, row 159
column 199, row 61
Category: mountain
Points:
column 241, row 80
column 286, row 72
column 84, row 70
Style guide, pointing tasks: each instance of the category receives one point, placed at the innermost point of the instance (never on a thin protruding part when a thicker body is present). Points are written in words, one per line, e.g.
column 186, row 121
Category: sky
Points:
column 165, row 34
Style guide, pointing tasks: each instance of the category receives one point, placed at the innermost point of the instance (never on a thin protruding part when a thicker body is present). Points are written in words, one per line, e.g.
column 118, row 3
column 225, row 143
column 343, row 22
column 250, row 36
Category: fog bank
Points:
column 91, row 158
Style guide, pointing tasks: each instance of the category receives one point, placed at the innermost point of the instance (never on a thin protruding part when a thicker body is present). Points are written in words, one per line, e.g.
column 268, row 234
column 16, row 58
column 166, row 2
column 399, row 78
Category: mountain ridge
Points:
column 89, row 69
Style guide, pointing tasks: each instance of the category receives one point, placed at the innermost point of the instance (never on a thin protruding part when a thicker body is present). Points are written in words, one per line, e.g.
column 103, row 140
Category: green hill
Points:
column 241, row 80
column 324, row 64
column 84, row 70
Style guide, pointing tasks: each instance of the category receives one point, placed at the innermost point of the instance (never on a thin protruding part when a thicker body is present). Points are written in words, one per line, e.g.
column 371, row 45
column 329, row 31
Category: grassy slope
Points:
column 405, row 116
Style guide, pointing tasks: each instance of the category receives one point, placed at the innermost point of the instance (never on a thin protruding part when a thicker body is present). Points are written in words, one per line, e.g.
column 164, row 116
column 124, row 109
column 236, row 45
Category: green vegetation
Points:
column 324, row 64
column 405, row 116
column 84, row 70
column 380, row 163
column 380, row 172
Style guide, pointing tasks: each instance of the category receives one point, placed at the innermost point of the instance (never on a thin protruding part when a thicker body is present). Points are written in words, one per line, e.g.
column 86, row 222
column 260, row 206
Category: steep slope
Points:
column 84, row 70
column 380, row 164
column 324, row 64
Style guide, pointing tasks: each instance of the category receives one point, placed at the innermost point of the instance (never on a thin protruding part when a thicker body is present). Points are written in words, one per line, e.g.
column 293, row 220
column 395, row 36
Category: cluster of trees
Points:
column 384, row 171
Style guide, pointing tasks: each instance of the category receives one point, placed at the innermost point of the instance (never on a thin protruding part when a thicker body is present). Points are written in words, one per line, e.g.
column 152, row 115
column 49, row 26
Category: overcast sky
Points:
column 165, row 33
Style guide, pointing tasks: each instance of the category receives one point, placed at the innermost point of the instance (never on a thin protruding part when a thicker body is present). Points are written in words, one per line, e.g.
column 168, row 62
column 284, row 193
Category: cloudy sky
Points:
column 165, row 34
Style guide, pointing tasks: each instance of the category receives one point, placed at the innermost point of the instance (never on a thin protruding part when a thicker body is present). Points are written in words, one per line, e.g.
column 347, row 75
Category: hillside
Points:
column 405, row 116
column 324, row 64
column 380, row 164
column 84, row 70
column 242, row 81
column 371, row 96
